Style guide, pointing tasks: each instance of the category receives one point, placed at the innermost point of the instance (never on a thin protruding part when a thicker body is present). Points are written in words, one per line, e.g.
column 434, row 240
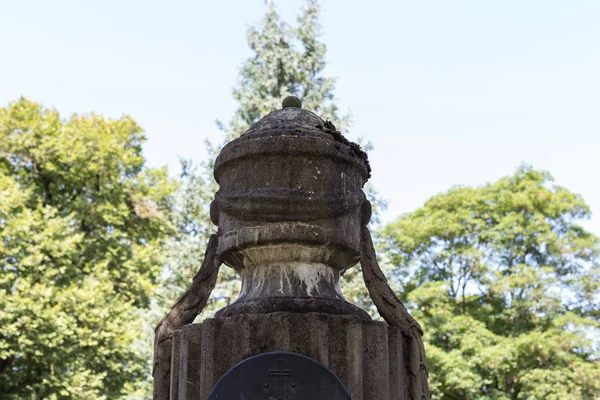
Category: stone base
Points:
column 293, row 305
column 367, row 356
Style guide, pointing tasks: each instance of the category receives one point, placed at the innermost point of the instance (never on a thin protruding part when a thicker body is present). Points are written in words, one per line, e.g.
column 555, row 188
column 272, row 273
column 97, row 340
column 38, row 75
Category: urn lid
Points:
column 297, row 131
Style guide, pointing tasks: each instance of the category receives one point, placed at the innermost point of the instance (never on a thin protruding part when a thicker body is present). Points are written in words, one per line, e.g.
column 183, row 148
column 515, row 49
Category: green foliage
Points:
column 82, row 223
column 505, row 283
column 185, row 252
column 286, row 60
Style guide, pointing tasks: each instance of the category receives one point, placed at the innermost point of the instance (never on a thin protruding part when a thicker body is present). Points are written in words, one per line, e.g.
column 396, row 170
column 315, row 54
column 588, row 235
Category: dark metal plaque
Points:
column 279, row 376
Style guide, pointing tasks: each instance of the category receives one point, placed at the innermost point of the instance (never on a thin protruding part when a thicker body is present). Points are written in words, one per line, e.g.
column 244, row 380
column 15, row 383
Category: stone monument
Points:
column 291, row 217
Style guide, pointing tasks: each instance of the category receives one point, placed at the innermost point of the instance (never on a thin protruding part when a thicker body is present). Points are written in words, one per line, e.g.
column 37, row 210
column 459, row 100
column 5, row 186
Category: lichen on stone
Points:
column 329, row 128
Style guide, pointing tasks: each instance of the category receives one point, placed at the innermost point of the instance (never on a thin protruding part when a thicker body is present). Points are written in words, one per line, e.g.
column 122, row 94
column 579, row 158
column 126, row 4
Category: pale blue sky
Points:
column 449, row 92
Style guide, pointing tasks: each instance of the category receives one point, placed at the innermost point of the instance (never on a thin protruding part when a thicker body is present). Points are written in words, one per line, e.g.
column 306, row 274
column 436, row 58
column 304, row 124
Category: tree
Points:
column 505, row 283
column 82, row 222
column 286, row 60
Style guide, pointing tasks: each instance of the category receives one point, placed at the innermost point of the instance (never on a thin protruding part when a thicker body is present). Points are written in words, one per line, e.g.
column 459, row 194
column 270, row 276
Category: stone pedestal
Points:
column 367, row 356
column 291, row 217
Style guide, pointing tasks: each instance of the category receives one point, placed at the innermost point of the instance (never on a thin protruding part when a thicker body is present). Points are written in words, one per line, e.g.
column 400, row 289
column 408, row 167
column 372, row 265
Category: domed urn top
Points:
column 289, row 209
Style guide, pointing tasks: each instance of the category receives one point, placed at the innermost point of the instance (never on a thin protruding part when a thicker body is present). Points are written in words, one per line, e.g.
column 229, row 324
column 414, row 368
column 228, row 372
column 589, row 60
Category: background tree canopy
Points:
column 82, row 223
column 505, row 283
column 286, row 60
column 96, row 247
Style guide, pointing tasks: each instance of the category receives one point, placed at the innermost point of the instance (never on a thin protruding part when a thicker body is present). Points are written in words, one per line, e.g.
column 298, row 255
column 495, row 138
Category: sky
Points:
column 449, row 92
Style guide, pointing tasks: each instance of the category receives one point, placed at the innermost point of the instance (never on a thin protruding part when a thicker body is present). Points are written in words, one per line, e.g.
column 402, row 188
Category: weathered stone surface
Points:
column 289, row 213
column 292, row 216
column 357, row 351
column 183, row 312
column 174, row 368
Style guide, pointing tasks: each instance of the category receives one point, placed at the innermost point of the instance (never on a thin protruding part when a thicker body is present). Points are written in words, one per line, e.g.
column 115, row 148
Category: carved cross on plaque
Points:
column 280, row 375
column 255, row 378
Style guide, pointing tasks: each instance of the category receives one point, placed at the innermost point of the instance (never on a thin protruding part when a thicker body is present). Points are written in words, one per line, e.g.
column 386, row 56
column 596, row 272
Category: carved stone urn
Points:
column 289, row 213
column 292, row 217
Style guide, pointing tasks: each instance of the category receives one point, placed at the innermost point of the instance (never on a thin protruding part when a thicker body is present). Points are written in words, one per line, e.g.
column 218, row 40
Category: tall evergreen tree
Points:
column 506, row 285
column 82, row 225
column 286, row 60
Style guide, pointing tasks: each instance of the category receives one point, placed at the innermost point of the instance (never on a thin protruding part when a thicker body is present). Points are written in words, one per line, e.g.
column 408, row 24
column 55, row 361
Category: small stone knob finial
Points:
column 291, row 101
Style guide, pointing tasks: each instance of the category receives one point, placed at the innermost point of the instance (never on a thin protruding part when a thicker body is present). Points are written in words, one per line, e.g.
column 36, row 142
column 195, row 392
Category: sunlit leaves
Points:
column 502, row 278
column 82, row 223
